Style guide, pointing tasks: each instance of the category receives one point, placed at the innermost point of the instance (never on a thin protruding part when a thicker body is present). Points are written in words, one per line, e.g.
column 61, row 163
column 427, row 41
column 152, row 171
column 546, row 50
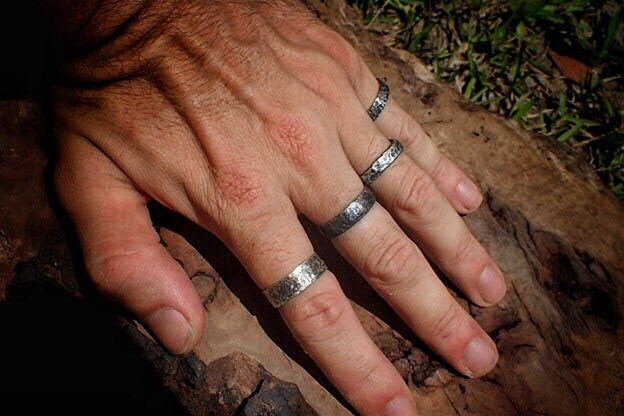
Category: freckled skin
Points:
column 294, row 139
column 239, row 186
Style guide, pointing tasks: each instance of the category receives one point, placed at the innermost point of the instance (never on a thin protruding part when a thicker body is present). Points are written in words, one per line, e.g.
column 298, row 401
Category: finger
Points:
column 270, row 244
column 122, row 252
column 458, row 188
column 395, row 267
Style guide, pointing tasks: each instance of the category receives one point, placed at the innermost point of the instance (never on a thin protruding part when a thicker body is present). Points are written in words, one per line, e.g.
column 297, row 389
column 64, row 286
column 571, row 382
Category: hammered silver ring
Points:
column 380, row 101
column 383, row 162
column 296, row 281
column 349, row 216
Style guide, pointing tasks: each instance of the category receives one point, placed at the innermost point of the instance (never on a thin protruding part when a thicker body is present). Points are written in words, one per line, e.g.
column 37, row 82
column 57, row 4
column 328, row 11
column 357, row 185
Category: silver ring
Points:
column 296, row 281
column 380, row 101
column 353, row 213
column 383, row 162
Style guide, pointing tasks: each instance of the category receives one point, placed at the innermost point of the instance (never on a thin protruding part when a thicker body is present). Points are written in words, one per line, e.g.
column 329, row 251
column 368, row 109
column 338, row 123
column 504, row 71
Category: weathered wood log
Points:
column 556, row 231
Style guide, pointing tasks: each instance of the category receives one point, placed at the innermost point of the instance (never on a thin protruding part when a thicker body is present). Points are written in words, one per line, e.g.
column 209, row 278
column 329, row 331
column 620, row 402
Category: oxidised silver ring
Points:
column 383, row 162
column 380, row 101
column 353, row 213
column 296, row 281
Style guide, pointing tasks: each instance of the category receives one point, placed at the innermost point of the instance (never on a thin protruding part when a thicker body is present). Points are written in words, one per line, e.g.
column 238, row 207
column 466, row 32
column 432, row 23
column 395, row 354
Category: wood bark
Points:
column 555, row 230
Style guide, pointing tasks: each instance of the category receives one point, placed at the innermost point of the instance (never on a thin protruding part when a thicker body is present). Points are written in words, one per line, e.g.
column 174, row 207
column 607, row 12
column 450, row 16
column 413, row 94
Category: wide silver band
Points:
column 383, row 162
column 296, row 281
column 353, row 213
column 380, row 101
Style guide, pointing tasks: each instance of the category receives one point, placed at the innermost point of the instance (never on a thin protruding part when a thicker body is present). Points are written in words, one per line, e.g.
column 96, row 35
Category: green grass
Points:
column 499, row 54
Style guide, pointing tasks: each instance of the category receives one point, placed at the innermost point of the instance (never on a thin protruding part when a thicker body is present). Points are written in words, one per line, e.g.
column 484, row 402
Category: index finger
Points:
column 321, row 317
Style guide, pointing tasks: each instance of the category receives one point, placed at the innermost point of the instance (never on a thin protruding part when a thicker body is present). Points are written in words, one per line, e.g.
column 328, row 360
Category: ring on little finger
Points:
column 380, row 101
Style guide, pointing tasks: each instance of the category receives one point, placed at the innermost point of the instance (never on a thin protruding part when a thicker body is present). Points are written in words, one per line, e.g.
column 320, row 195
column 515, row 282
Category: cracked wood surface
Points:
column 554, row 229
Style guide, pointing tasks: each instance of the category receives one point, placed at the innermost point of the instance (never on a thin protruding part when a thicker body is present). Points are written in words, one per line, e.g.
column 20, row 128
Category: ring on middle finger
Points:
column 351, row 215
column 383, row 162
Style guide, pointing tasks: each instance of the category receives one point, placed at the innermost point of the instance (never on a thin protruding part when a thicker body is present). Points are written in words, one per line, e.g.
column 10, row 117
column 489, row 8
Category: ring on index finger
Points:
column 298, row 280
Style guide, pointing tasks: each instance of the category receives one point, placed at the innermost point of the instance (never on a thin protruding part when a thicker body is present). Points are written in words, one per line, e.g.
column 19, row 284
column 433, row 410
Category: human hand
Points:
column 240, row 115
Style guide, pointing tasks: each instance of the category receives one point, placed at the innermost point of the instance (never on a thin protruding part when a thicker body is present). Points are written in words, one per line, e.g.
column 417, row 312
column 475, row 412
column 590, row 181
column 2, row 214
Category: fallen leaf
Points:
column 571, row 68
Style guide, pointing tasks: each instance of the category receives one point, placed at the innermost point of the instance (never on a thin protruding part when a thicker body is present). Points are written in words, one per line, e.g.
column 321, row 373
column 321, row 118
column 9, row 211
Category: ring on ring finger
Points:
column 383, row 162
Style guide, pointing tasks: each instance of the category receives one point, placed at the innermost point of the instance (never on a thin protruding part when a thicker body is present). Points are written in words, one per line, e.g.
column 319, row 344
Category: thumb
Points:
column 122, row 251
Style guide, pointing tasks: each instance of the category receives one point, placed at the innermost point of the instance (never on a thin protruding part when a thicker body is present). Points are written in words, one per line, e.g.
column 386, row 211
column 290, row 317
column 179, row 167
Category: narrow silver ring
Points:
column 383, row 162
column 296, row 281
column 353, row 213
column 380, row 101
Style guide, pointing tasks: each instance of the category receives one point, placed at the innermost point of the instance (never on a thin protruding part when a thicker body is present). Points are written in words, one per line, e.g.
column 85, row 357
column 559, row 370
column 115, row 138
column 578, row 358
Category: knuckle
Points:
column 439, row 168
column 321, row 81
column 195, row 192
column 370, row 374
column 416, row 195
column 408, row 132
column 327, row 79
column 389, row 265
column 341, row 51
column 248, row 226
column 239, row 183
column 111, row 273
column 255, row 217
column 447, row 324
column 269, row 236
column 462, row 249
column 319, row 317
column 346, row 56
column 292, row 135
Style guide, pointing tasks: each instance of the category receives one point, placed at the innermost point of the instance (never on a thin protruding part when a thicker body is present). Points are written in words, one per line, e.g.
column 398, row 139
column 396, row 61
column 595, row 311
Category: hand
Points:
column 240, row 115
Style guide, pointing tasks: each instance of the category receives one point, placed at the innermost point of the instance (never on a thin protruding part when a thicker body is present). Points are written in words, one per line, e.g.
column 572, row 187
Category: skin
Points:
column 240, row 116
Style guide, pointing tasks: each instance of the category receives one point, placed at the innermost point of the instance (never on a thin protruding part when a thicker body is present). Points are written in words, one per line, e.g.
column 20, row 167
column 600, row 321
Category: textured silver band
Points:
column 354, row 212
column 380, row 101
column 383, row 162
column 296, row 282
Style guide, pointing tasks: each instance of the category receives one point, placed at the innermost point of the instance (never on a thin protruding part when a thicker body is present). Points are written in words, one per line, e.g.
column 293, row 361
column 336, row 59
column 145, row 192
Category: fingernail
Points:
column 400, row 406
column 469, row 194
column 171, row 328
column 491, row 285
column 480, row 356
